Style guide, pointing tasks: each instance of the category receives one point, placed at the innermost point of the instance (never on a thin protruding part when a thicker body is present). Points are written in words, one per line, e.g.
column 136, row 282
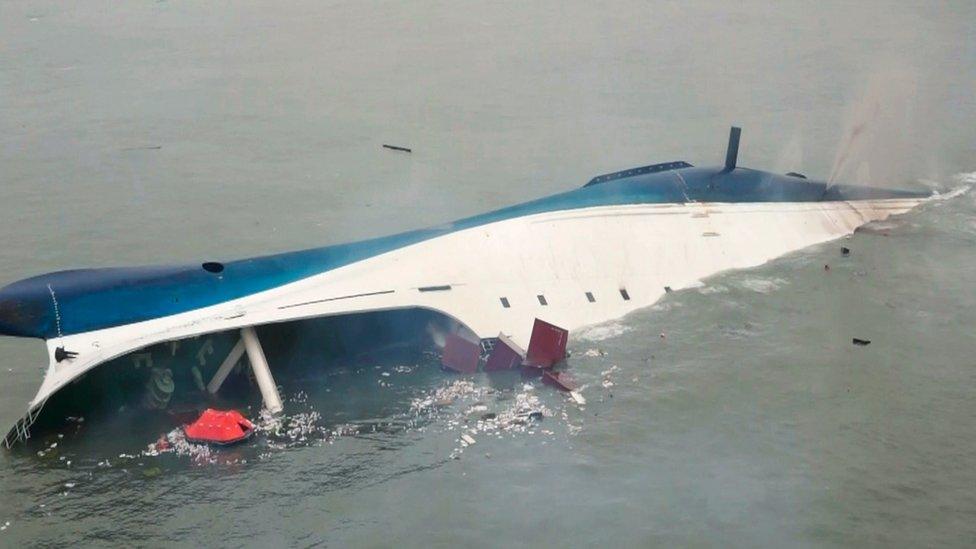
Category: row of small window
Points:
column 589, row 297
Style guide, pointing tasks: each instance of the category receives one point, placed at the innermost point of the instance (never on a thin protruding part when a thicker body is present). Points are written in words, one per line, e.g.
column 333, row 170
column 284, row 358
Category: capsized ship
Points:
column 576, row 258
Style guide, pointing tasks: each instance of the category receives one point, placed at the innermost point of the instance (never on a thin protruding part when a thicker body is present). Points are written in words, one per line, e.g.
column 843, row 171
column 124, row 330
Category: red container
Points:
column 460, row 354
column 505, row 356
column 547, row 345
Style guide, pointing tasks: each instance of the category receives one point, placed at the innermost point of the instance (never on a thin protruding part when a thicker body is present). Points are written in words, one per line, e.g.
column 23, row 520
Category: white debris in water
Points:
column 299, row 427
column 477, row 408
column 762, row 285
column 607, row 382
column 514, row 413
column 576, row 396
column 69, row 485
column 447, row 395
column 594, row 353
column 183, row 447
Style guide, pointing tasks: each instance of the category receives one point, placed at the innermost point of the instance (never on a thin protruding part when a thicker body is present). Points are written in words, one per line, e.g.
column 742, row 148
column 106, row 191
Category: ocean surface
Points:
column 736, row 413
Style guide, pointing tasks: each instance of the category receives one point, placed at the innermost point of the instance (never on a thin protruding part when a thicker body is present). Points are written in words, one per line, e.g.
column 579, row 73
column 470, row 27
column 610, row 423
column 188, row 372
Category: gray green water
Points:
column 170, row 131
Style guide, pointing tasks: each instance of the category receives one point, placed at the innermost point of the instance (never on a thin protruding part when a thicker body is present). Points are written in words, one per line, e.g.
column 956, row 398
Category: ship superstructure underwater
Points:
column 572, row 259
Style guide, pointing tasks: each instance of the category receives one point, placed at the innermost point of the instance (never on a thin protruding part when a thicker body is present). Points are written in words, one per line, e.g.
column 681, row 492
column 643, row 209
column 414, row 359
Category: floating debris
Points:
column 144, row 148
column 559, row 380
column 607, row 382
column 845, row 251
column 396, row 148
column 861, row 342
column 578, row 398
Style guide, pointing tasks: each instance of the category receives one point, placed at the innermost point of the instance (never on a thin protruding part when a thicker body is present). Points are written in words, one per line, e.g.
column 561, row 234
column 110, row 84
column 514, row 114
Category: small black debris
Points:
column 667, row 289
column 144, row 148
column 844, row 251
column 861, row 342
column 535, row 416
column 488, row 416
column 396, row 148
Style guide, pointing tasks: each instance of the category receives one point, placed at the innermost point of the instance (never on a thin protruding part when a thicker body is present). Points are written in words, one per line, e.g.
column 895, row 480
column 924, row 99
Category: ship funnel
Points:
column 732, row 154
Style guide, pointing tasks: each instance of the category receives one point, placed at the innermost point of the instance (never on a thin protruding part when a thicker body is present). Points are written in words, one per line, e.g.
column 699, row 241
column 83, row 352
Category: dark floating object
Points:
column 797, row 174
column 396, row 148
column 844, row 251
column 145, row 148
column 861, row 342
column 826, row 267
column 667, row 289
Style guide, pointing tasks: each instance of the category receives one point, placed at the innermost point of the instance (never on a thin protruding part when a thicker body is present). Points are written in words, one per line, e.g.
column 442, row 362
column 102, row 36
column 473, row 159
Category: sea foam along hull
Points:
column 561, row 255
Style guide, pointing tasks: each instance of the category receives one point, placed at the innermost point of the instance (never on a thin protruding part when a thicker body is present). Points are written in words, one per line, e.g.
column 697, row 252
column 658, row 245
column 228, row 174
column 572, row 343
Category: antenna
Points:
column 733, row 152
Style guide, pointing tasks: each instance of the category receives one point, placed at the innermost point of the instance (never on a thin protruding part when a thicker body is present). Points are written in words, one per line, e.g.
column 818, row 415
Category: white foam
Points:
column 602, row 331
column 713, row 289
column 966, row 178
column 762, row 285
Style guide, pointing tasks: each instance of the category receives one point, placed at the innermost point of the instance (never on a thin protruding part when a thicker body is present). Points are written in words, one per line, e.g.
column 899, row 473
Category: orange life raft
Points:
column 219, row 427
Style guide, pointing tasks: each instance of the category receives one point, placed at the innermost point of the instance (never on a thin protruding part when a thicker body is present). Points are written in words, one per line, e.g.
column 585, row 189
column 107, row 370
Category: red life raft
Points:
column 219, row 427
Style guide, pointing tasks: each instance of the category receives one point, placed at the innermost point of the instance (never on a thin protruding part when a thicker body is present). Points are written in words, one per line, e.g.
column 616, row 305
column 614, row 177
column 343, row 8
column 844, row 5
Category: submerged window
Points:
column 624, row 294
column 213, row 267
